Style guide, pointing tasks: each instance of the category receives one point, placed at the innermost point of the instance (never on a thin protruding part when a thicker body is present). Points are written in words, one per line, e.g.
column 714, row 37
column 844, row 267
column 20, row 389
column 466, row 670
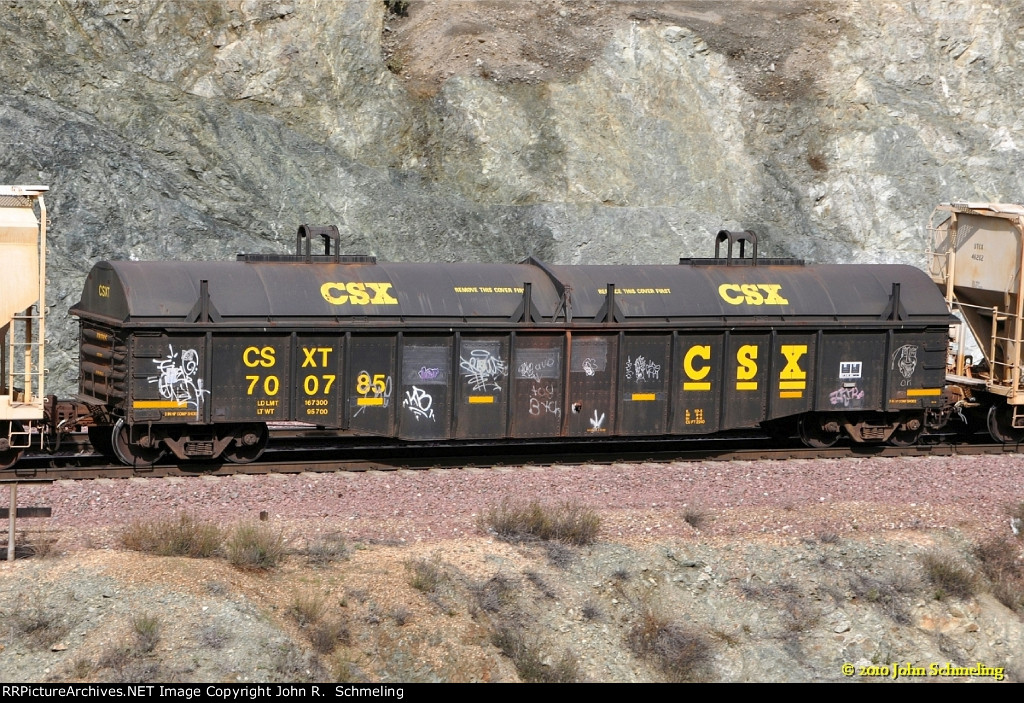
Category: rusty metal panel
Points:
column 167, row 379
column 318, row 376
column 251, row 380
column 537, row 385
column 916, row 368
column 852, row 370
column 483, row 383
column 425, row 388
column 792, row 374
column 644, row 363
column 746, row 381
column 698, row 359
column 593, row 365
column 370, row 384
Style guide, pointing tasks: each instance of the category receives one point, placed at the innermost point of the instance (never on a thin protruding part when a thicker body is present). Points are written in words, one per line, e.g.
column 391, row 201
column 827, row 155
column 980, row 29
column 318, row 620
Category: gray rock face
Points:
column 198, row 129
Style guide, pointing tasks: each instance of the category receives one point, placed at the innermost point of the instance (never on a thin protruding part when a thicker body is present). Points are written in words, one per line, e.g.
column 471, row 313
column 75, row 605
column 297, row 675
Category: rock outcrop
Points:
column 584, row 132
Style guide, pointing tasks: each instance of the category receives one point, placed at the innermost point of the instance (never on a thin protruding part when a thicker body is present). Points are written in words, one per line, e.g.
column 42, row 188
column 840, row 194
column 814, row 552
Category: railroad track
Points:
column 297, row 452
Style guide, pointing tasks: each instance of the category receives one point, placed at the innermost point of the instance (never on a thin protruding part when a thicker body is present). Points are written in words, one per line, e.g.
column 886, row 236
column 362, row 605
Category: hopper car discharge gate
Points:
column 195, row 358
column 977, row 254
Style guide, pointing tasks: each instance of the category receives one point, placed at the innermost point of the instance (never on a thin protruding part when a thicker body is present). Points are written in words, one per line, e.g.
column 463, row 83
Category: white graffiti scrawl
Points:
column 483, row 370
column 642, row 369
column 905, row 359
column 420, row 403
column 176, row 379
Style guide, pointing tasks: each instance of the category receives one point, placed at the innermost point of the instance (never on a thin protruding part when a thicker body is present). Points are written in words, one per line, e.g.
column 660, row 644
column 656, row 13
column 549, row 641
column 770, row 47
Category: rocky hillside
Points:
column 577, row 131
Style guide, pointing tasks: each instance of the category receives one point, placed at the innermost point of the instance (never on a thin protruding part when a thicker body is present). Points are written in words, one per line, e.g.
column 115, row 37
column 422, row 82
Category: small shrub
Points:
column 83, row 668
column 828, row 537
column 397, row 7
column 307, row 608
column 429, row 578
column 184, row 536
column 401, row 615
column 559, row 554
column 253, row 545
column 526, row 656
column 888, row 596
column 115, row 658
column 327, row 549
column 297, row 666
column 41, row 625
column 496, row 592
column 680, row 653
column 569, row 522
column 147, row 631
column 425, row 576
column 695, row 517
column 213, row 636
column 327, row 635
column 542, row 585
column 590, row 612
column 949, row 575
column 1010, row 593
column 1001, row 562
column 1000, row 558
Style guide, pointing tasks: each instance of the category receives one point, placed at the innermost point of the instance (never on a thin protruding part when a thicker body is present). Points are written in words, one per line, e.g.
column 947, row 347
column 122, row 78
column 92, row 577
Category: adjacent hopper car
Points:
column 22, row 303
column 195, row 359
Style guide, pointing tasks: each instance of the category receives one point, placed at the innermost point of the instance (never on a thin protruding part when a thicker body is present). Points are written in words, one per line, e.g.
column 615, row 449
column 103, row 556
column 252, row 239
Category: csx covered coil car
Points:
column 195, row 358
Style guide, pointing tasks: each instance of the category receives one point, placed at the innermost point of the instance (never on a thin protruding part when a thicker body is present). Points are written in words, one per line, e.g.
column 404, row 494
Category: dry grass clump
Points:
column 253, row 545
column 307, row 609
column 682, row 654
column 949, row 575
column 327, row 549
column 40, row 624
column 567, row 522
column 695, row 516
column 183, row 536
column 147, row 630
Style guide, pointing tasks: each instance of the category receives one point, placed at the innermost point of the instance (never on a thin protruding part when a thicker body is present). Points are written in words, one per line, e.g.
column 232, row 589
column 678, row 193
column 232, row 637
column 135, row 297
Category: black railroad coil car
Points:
column 195, row 358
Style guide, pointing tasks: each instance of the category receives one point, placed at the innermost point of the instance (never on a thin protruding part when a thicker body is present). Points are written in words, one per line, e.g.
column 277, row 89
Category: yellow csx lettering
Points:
column 256, row 356
column 104, row 291
column 311, row 353
column 793, row 354
column 355, row 293
column 696, row 371
column 752, row 293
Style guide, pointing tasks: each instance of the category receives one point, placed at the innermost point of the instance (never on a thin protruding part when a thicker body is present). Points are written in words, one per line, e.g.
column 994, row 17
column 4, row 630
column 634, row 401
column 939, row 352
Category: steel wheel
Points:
column 813, row 435
column 248, row 445
column 1000, row 425
column 100, row 439
column 905, row 438
column 130, row 453
column 9, row 456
